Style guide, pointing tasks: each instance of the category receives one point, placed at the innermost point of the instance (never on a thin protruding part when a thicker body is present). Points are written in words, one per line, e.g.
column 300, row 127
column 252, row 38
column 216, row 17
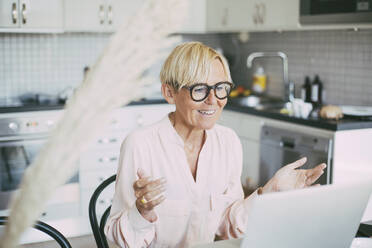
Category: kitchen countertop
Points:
column 333, row 125
column 29, row 108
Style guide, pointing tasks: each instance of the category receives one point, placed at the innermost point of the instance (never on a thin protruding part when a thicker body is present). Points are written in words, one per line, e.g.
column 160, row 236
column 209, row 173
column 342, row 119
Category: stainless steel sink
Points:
column 262, row 103
column 273, row 105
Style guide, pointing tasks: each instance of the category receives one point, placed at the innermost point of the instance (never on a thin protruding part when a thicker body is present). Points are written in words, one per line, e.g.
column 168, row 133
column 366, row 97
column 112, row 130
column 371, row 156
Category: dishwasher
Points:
column 279, row 147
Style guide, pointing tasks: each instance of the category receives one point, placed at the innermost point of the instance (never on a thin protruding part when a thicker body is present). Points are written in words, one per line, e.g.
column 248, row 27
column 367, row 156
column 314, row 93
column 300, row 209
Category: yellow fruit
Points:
column 234, row 93
column 246, row 92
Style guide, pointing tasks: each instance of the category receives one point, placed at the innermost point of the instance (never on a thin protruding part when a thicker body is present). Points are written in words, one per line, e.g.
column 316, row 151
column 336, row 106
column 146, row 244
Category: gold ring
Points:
column 143, row 200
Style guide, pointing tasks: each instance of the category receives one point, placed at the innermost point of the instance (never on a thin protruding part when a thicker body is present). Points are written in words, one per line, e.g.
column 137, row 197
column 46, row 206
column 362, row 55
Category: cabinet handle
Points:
column 225, row 17
column 262, row 13
column 113, row 159
column 101, row 14
column 140, row 120
column 14, row 13
column 24, row 14
column 105, row 140
column 256, row 14
column 107, row 159
column 110, row 15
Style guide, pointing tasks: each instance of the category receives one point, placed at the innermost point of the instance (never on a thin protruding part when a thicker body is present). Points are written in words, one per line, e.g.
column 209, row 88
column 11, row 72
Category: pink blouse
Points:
column 194, row 210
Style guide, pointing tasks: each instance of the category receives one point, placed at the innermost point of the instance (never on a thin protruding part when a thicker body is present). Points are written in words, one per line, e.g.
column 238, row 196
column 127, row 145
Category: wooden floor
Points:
column 78, row 242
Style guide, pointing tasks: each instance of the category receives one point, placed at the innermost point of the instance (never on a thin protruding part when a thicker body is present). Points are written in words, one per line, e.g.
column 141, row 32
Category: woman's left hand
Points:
column 289, row 177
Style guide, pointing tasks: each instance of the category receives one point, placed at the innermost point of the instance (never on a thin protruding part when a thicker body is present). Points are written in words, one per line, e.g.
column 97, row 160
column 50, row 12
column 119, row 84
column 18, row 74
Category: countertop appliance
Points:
column 314, row 12
column 279, row 147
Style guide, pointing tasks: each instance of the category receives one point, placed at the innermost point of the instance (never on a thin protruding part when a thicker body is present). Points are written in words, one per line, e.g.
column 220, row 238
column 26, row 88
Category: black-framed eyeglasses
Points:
column 200, row 91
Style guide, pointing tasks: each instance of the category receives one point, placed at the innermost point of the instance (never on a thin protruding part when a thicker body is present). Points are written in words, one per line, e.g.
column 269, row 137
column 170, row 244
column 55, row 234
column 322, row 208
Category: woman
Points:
column 179, row 180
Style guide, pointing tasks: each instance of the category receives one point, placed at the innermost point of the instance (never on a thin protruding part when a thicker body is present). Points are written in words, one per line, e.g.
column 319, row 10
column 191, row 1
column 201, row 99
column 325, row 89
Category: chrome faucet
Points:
column 288, row 86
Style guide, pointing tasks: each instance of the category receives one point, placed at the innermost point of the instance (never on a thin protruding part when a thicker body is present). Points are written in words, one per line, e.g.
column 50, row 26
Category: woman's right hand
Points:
column 149, row 194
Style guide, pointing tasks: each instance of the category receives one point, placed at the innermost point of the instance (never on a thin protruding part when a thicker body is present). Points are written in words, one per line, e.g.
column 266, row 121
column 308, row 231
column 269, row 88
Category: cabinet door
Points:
column 251, row 163
column 278, row 15
column 120, row 11
column 41, row 13
column 228, row 16
column 196, row 19
column 9, row 14
column 248, row 129
column 85, row 15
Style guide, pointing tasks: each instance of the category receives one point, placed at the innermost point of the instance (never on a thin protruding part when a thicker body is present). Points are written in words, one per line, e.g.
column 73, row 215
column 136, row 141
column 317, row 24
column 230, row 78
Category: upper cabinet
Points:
column 256, row 15
column 18, row 15
column 228, row 16
column 109, row 15
column 274, row 15
column 195, row 21
column 98, row 15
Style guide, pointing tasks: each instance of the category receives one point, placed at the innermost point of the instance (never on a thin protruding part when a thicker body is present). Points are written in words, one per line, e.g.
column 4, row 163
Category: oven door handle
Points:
column 7, row 166
column 24, row 138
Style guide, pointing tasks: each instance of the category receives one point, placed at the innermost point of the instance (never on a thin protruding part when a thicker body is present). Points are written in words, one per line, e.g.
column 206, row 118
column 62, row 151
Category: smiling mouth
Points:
column 207, row 112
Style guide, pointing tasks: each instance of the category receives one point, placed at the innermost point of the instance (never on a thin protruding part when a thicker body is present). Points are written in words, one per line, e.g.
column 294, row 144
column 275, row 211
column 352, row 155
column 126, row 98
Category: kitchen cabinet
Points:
column 274, row 15
column 228, row 16
column 108, row 15
column 248, row 129
column 195, row 21
column 98, row 15
column 102, row 158
column 258, row 15
column 26, row 15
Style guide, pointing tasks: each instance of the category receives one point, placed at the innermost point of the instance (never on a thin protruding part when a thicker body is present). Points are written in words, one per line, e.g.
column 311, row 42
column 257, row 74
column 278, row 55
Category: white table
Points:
column 231, row 243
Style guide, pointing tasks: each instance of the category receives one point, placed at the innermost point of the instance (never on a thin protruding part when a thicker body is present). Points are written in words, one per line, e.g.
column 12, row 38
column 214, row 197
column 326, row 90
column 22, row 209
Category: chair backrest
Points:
column 97, row 229
column 45, row 228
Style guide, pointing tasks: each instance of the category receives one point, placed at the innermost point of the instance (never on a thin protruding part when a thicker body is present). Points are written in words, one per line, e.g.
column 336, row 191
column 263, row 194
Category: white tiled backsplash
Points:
column 45, row 63
column 343, row 59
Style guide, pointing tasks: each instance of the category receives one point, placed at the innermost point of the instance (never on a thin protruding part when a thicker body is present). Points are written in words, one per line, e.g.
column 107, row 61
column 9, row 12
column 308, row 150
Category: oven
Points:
column 22, row 135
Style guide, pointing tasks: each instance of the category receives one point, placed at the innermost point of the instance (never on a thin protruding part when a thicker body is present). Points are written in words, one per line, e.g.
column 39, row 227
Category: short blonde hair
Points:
column 189, row 63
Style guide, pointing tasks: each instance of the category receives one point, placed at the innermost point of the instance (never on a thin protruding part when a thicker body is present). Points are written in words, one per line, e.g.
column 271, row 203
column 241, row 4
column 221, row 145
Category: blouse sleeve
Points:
column 234, row 217
column 125, row 226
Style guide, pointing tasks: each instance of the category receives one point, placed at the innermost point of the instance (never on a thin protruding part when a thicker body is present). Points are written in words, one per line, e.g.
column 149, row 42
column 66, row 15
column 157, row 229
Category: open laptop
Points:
column 322, row 217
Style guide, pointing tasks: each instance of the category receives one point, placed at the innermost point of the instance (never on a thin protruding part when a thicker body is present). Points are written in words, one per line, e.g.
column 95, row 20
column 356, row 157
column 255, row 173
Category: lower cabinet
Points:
column 102, row 158
column 248, row 129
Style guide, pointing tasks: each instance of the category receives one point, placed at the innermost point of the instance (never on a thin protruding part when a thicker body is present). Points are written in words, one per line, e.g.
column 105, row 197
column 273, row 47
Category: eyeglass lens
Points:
column 221, row 90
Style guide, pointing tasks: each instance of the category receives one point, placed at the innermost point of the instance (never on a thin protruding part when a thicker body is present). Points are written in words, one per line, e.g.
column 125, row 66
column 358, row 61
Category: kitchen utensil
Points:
column 38, row 99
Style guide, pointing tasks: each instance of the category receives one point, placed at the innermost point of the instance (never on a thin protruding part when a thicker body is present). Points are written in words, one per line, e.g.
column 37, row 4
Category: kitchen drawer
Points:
column 104, row 200
column 61, row 211
column 244, row 125
column 250, row 128
column 132, row 117
column 98, row 160
column 109, row 141
column 91, row 179
column 230, row 119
